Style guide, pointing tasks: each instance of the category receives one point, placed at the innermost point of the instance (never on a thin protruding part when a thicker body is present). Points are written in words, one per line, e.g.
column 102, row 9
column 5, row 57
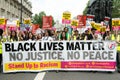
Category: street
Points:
column 62, row 75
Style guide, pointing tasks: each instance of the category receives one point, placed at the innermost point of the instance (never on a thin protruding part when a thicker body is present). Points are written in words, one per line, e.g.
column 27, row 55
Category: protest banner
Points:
column 12, row 24
column 47, row 22
column 18, row 23
column 74, row 23
column 27, row 21
column 90, row 17
column 2, row 23
column 59, row 55
column 103, row 29
column 27, row 24
column 66, row 17
column 97, row 26
column 82, row 21
column 116, row 24
column 35, row 27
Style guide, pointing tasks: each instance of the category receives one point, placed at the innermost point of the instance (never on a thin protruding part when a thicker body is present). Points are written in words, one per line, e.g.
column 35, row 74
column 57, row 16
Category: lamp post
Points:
column 21, row 14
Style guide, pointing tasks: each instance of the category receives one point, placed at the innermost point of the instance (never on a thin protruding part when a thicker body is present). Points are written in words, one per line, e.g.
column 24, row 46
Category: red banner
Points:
column 47, row 22
column 34, row 27
column 82, row 21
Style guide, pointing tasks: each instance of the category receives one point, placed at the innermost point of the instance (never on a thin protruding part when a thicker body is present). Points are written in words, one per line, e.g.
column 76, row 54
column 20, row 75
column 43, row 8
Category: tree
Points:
column 86, row 9
column 37, row 19
column 116, row 9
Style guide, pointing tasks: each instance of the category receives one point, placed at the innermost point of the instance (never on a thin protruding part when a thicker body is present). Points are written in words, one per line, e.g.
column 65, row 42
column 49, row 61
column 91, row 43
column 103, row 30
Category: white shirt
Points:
column 47, row 38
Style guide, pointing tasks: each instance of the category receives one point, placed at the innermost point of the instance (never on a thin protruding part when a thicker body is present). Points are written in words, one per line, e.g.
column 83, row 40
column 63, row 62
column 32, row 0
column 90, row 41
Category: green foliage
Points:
column 116, row 9
column 86, row 8
column 37, row 19
column 85, row 11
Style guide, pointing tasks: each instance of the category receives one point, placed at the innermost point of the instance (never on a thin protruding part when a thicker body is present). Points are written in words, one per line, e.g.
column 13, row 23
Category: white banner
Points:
column 59, row 55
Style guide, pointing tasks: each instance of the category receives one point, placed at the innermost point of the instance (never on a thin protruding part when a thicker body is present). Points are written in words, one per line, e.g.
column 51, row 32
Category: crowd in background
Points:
column 52, row 35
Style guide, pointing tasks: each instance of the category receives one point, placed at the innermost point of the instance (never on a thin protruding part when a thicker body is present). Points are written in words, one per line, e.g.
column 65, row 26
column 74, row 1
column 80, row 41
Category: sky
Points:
column 57, row 7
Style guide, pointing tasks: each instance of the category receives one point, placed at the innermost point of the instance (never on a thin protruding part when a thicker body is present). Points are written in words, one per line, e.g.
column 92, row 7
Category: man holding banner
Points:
column 118, row 52
column 1, row 32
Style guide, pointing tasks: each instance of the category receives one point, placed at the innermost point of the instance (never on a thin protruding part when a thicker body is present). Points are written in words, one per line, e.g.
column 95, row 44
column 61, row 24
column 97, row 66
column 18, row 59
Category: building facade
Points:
column 11, row 9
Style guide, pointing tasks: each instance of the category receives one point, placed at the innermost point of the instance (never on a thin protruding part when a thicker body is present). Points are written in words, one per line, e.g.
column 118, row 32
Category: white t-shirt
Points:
column 47, row 38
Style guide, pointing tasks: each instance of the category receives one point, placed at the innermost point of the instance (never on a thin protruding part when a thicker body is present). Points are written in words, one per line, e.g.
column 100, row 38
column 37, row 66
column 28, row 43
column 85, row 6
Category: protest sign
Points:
column 74, row 23
column 66, row 16
column 116, row 24
column 2, row 23
column 82, row 21
column 47, row 22
column 59, row 55
column 27, row 21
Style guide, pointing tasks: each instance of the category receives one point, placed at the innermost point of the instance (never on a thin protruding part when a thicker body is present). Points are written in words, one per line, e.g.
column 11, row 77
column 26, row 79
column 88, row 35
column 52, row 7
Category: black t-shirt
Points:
column 89, row 36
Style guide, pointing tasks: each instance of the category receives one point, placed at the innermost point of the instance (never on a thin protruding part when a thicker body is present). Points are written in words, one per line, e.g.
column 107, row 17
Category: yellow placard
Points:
column 115, row 22
column 92, row 24
column 96, row 25
column 17, row 66
column 27, row 21
column 2, row 21
column 66, row 16
column 18, row 23
column 74, row 23
column 103, row 29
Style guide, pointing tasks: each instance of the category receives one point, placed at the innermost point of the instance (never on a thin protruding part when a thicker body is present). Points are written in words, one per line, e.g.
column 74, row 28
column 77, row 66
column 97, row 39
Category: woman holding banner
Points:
column 30, row 36
column 67, row 33
column 63, row 36
column 39, row 36
column 47, row 36
column 13, row 36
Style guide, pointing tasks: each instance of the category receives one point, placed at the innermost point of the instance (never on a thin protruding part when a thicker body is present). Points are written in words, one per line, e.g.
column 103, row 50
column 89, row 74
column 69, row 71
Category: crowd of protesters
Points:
column 52, row 35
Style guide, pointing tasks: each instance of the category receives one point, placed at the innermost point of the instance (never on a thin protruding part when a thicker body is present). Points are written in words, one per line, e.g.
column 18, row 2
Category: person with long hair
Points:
column 63, row 36
column 66, row 30
column 30, row 36
column 13, row 36
column 39, row 36
column 20, row 36
column 47, row 36
column 26, row 35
